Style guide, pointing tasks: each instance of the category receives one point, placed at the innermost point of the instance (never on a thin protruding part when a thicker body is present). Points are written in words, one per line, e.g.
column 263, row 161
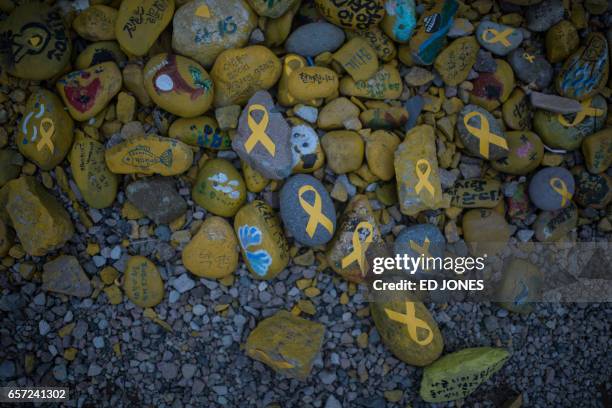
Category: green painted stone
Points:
column 457, row 375
column 202, row 131
column 592, row 190
column 219, row 188
column 551, row 226
column 525, row 153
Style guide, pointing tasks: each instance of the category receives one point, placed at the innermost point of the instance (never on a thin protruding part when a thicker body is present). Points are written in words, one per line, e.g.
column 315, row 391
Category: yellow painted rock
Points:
column 407, row 328
column 312, row 82
column 10, row 165
column 6, row 238
column 291, row 63
column 344, row 150
column 254, row 180
column 380, row 148
column 219, row 188
column 561, row 40
column 98, row 53
column 142, row 282
column 46, row 130
column 351, row 15
column 278, row 29
column 334, row 114
column 493, row 89
column 41, row 222
column 140, row 22
column 179, row 85
column 384, row 117
column 239, row 73
column 306, row 149
column 286, row 343
column 149, row 155
column 97, row 184
column 475, row 193
column 262, row 242
column 202, row 29
column 455, row 62
column 201, row 131
column 86, row 92
column 358, row 58
column 385, row 84
column 133, row 79
column 525, row 153
column 416, row 171
column 597, row 151
column 383, row 45
column 213, row 252
column 96, row 23
column 516, row 111
column 40, row 43
column 357, row 237
column 272, row 9
column 485, row 231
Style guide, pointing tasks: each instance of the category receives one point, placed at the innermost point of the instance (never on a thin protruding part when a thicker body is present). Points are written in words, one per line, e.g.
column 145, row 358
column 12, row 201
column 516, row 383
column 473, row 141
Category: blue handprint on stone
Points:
column 259, row 260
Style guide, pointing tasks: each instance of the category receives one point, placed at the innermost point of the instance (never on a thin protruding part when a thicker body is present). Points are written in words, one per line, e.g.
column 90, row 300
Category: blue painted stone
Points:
column 417, row 234
column 400, row 20
column 414, row 106
column 433, row 26
column 299, row 209
column 542, row 193
column 493, row 37
column 531, row 68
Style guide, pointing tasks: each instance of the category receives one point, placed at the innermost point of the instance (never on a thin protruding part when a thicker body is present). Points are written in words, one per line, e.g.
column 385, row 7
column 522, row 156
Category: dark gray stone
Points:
column 543, row 190
column 491, row 36
column 471, row 141
column 157, row 198
column 411, row 241
column 296, row 217
column 542, row 16
column 531, row 68
column 485, row 62
column 313, row 39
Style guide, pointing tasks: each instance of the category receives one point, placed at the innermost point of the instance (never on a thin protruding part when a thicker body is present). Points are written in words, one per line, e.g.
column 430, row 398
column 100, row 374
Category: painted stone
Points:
column 291, row 63
column 407, row 328
column 97, row 184
column 219, row 188
column 455, row 62
column 213, row 252
column 585, row 72
column 278, row 29
column 263, row 245
column 520, row 286
column 38, row 42
column 568, row 131
column 178, row 85
column 240, row 73
column 96, row 23
column 481, row 134
column 10, row 165
column 525, row 153
column 46, row 130
column 344, row 150
column 416, row 171
column 485, row 231
column 306, row 149
column 205, row 28
column 516, row 111
column 272, row 9
column 500, row 39
column 475, row 193
column 133, row 79
column 552, row 188
column 7, row 238
column 264, row 138
column 380, row 149
column 312, row 83
column 149, row 155
column 545, row 14
column 385, row 84
column 519, row 205
column 592, row 190
column 385, row 117
column 86, row 92
column 313, row 39
column 99, row 52
column 335, row 113
column 493, row 89
column 40, row 221
column 356, row 237
column 400, row 20
column 552, row 226
column 358, row 58
column 431, row 30
column 417, row 240
column 142, row 282
column 561, row 41
column 286, row 343
column 64, row 275
column 597, row 151
column 202, row 131
column 456, row 375
column 352, row 15
column 307, row 211
column 379, row 41
column 253, row 179
column 140, row 22
column 531, row 68
column 156, row 198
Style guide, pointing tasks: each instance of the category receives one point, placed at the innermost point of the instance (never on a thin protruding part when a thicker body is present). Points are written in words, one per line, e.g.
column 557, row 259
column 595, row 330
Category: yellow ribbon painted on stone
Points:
column 559, row 186
column 424, row 250
column 587, row 110
column 497, row 36
column 359, row 248
column 288, row 60
column 47, row 130
column 314, row 211
column 529, row 57
column 258, row 130
column 483, row 133
column 423, row 177
column 268, row 360
column 412, row 323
